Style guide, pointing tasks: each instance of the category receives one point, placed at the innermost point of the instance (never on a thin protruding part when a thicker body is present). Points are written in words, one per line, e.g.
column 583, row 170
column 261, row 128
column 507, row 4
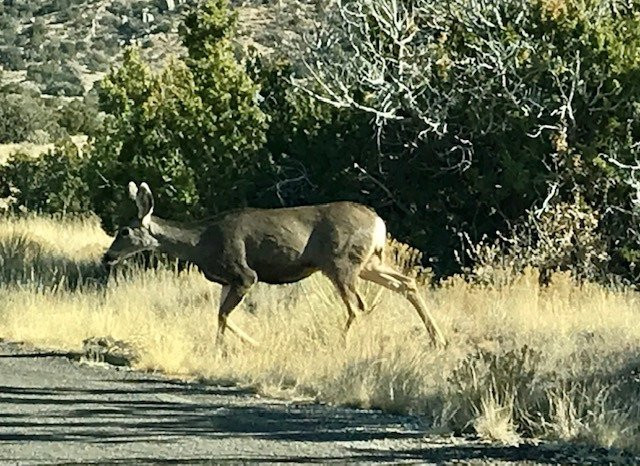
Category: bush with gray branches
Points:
column 483, row 110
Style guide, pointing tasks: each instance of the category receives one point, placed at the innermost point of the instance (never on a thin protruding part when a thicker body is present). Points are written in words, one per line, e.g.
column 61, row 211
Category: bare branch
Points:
column 386, row 190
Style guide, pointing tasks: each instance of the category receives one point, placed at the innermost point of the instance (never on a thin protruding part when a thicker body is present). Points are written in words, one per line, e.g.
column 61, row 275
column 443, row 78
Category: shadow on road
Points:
column 176, row 412
column 73, row 356
column 143, row 410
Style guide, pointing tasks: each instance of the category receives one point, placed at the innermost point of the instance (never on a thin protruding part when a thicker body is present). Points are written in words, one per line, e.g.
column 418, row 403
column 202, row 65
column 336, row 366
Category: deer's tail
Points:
column 379, row 237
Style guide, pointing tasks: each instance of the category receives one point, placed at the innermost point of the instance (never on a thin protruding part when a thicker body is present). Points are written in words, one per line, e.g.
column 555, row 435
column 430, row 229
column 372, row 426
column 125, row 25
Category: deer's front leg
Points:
column 222, row 321
column 230, row 297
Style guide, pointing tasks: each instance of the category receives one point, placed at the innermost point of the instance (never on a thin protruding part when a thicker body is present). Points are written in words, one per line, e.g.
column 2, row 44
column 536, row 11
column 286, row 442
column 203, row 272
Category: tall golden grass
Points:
column 560, row 361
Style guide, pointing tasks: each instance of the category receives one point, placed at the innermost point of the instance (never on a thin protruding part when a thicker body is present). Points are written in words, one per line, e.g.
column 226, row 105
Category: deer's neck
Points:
column 175, row 238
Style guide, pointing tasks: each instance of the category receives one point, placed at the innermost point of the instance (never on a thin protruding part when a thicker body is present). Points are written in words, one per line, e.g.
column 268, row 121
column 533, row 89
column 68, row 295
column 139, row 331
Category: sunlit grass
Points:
column 558, row 361
column 33, row 150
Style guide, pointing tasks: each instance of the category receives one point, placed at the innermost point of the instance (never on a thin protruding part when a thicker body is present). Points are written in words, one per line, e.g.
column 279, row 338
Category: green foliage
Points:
column 142, row 139
column 226, row 127
column 11, row 58
column 193, row 131
column 80, row 117
column 27, row 117
column 52, row 183
column 207, row 29
column 56, row 79
column 37, row 33
column 313, row 147
column 24, row 117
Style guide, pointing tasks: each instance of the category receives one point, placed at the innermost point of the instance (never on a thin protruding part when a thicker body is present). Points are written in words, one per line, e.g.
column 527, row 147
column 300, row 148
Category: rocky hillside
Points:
column 62, row 47
column 52, row 52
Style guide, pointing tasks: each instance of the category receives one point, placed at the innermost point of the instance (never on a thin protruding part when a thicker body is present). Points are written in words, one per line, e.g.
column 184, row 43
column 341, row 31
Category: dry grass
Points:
column 559, row 361
column 33, row 150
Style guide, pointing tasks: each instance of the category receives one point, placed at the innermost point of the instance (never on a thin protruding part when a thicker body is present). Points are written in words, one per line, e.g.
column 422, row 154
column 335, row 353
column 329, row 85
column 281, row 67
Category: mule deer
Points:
column 343, row 240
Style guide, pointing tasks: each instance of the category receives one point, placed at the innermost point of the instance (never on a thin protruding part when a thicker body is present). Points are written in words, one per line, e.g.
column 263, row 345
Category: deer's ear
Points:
column 133, row 190
column 144, row 200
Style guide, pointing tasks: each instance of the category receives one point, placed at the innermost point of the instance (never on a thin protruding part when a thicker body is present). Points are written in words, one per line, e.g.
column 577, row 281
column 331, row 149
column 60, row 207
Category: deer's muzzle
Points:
column 108, row 260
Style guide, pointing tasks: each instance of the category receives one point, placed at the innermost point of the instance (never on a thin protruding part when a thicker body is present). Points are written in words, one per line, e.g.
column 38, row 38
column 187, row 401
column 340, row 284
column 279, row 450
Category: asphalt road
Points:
column 55, row 410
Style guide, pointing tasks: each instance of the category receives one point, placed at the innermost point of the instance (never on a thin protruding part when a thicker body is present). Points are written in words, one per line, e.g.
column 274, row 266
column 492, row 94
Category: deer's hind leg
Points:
column 386, row 276
column 346, row 286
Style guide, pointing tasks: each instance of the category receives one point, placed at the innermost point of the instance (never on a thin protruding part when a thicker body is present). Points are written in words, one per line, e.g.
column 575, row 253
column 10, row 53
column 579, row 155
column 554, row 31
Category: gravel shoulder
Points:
column 56, row 410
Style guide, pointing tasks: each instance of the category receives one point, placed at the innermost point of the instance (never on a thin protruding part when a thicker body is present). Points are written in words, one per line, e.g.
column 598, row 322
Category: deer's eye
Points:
column 125, row 232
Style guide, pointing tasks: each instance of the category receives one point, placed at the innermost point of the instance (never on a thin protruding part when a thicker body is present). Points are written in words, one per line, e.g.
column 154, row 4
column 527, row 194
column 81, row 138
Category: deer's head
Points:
column 137, row 235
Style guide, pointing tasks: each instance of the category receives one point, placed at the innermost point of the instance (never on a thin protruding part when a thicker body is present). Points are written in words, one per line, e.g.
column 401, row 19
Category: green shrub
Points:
column 140, row 140
column 56, row 79
column 11, row 58
column 80, row 117
column 51, row 183
column 24, row 117
column 225, row 133
column 313, row 147
column 192, row 131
